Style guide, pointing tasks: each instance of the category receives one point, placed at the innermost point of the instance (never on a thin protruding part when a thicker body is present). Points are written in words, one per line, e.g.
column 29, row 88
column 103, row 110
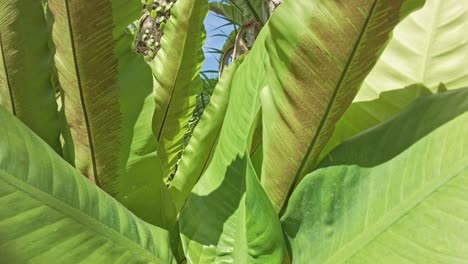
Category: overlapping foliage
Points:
column 305, row 153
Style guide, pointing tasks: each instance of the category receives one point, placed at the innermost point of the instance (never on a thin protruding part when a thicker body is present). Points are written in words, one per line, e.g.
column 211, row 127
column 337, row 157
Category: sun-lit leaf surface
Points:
column 430, row 46
column 218, row 206
column 177, row 82
column 26, row 68
column 363, row 115
column 106, row 87
column 427, row 47
column 228, row 217
column 396, row 193
column 203, row 98
column 199, row 151
column 314, row 72
column 52, row 214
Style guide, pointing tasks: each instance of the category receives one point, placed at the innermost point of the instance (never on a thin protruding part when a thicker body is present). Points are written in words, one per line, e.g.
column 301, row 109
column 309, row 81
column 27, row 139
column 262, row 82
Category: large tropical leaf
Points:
column 313, row 76
column 199, row 151
column 366, row 114
column 68, row 151
column 176, row 79
column 394, row 194
column 52, row 214
column 404, row 63
column 26, row 68
column 218, row 216
column 430, row 46
column 105, row 90
column 143, row 190
column 228, row 217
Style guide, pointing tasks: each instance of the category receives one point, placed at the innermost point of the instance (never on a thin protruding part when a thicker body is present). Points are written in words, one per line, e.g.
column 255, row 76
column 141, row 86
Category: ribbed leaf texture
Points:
column 362, row 115
column 26, row 68
column 106, row 87
column 199, row 151
column 430, row 46
column 177, row 82
column 228, row 217
column 396, row 193
column 313, row 74
column 52, row 214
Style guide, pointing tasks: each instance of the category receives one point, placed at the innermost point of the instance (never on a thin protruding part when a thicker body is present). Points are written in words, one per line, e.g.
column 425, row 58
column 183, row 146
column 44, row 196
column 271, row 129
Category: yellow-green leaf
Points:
column 50, row 213
column 430, row 46
column 176, row 79
column 396, row 193
column 199, row 151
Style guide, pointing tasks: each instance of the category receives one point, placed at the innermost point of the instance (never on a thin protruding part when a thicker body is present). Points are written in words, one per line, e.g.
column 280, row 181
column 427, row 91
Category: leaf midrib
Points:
column 7, row 76
column 328, row 110
column 82, row 99
column 429, row 44
column 176, row 79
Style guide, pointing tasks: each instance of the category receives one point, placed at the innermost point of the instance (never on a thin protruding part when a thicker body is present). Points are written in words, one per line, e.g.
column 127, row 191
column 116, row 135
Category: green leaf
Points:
column 428, row 47
column 404, row 63
column 228, row 217
column 26, row 68
column 363, row 115
column 50, row 213
column 250, row 9
column 393, row 194
column 106, row 87
column 226, row 52
column 199, row 151
column 256, row 148
column 230, row 12
column 177, row 82
column 313, row 78
column 142, row 190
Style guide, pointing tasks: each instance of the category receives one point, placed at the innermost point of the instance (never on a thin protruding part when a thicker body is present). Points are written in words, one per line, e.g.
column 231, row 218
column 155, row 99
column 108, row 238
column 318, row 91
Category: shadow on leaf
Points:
column 415, row 122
